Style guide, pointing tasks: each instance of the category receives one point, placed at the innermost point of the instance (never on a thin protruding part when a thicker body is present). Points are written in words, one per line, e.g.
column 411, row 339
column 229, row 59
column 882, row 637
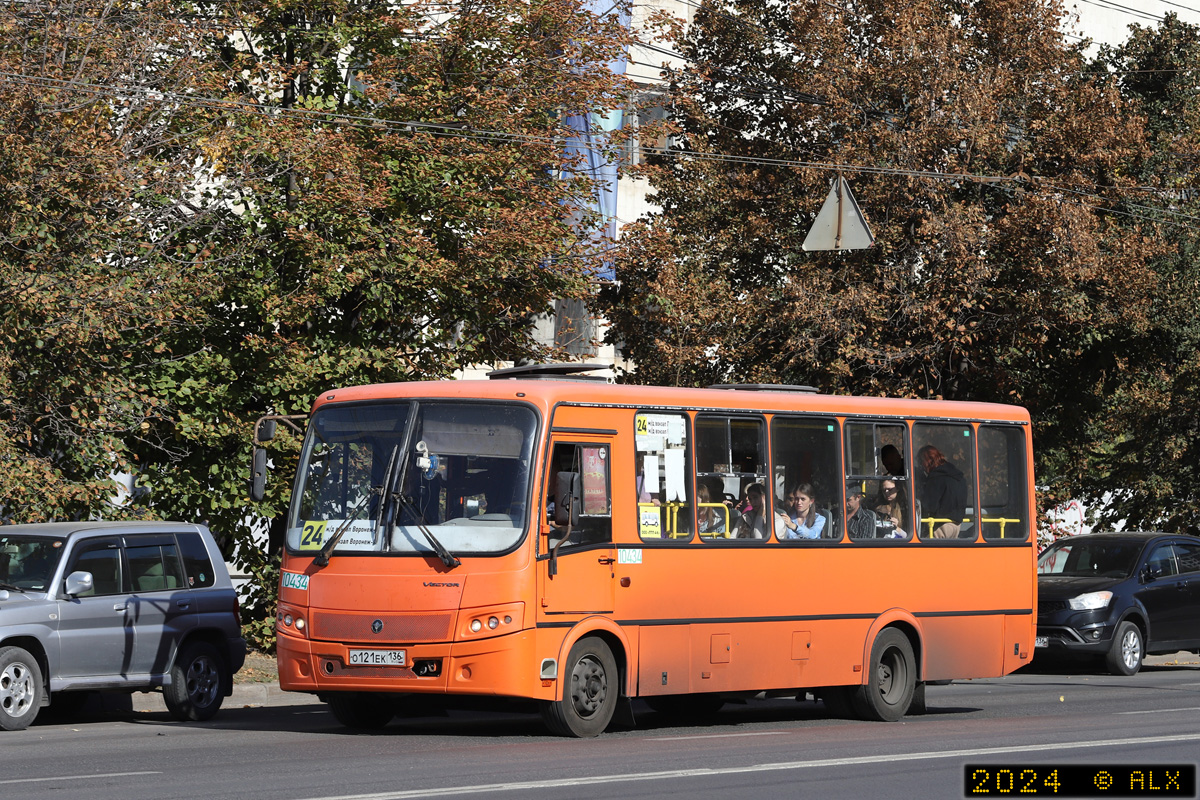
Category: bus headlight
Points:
column 492, row 621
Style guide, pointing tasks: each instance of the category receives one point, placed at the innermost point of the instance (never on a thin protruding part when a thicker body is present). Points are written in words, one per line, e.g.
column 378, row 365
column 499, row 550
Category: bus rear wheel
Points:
column 589, row 695
column 891, row 681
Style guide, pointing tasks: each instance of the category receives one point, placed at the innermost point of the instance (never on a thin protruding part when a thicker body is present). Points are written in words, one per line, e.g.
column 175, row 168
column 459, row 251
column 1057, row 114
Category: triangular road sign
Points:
column 840, row 225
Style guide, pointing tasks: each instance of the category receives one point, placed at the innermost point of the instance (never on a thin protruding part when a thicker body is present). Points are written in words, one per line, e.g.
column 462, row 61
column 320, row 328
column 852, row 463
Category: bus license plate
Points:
column 382, row 658
column 1041, row 641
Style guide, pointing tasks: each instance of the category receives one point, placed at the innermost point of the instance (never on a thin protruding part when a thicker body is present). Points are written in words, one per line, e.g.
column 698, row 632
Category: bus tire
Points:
column 365, row 711
column 891, row 680
column 20, row 688
column 1124, row 657
column 589, row 695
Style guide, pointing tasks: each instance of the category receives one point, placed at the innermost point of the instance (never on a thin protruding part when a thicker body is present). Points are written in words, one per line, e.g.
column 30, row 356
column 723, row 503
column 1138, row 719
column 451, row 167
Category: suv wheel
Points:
column 20, row 688
column 1125, row 655
column 198, row 681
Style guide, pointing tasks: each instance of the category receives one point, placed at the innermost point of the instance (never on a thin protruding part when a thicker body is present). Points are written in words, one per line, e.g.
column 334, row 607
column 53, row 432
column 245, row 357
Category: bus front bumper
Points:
column 500, row 666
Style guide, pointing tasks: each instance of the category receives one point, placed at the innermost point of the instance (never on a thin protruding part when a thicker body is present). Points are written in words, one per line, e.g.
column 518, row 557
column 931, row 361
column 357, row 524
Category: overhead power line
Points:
column 464, row 132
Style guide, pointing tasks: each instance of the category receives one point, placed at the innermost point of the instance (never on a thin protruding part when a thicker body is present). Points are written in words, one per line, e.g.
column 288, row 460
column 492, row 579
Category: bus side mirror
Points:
column 258, row 478
column 568, row 497
column 266, row 430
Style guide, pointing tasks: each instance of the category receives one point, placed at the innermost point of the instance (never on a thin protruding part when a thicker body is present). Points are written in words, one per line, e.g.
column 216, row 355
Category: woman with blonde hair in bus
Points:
column 943, row 493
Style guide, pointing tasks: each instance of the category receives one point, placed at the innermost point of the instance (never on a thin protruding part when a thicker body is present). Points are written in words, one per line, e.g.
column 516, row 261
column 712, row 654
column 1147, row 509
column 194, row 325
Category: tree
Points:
column 362, row 192
column 996, row 170
column 1140, row 455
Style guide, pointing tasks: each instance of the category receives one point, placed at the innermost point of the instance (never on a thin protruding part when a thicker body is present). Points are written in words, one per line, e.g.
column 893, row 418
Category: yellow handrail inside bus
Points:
column 1002, row 521
column 673, row 531
column 725, row 510
column 672, row 518
column 934, row 522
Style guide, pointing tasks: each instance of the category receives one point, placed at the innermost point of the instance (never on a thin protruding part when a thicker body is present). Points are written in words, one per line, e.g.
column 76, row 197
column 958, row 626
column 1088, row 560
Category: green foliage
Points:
column 1001, row 174
column 232, row 207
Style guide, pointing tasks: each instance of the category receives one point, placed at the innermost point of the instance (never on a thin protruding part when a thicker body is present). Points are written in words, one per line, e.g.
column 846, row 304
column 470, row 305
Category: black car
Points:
column 1119, row 596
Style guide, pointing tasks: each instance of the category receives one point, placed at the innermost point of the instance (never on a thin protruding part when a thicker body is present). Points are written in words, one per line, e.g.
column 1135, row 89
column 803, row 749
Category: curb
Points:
column 245, row 695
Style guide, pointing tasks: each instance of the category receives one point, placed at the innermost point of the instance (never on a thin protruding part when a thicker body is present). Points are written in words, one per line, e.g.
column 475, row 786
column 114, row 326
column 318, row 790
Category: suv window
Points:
column 1187, row 555
column 196, row 563
column 1162, row 561
column 154, row 567
column 103, row 560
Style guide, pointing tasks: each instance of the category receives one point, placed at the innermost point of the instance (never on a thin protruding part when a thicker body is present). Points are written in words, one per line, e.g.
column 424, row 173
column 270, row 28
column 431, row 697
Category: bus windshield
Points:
column 461, row 469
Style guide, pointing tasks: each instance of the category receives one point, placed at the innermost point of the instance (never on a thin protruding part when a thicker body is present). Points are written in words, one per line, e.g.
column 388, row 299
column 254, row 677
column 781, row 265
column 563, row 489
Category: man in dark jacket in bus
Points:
column 943, row 493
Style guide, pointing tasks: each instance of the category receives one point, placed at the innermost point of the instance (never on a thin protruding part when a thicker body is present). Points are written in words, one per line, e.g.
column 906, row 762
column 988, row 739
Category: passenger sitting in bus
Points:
column 887, row 526
column 889, row 496
column 859, row 521
column 943, row 493
column 800, row 519
column 753, row 524
column 891, row 459
column 711, row 519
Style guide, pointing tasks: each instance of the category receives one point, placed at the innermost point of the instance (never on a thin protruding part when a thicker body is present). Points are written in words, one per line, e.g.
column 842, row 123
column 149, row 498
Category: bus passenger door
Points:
column 575, row 551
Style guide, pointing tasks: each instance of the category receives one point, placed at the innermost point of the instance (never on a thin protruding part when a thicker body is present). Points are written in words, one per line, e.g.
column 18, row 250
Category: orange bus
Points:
column 547, row 536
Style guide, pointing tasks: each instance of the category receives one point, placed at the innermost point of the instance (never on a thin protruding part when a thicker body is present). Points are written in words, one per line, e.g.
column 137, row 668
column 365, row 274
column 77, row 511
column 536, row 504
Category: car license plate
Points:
column 1041, row 641
column 383, row 658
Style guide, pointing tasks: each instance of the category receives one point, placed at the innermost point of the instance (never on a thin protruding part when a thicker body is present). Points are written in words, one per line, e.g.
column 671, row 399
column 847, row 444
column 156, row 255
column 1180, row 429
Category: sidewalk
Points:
column 1181, row 659
column 245, row 695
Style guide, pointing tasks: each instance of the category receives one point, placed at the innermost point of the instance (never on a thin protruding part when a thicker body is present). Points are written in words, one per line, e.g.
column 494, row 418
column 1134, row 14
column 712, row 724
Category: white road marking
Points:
column 717, row 736
column 563, row 783
column 1161, row 710
column 77, row 777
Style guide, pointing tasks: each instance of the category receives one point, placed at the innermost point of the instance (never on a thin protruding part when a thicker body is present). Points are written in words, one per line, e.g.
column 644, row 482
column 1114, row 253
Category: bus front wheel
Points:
column 365, row 712
column 891, row 682
column 590, row 693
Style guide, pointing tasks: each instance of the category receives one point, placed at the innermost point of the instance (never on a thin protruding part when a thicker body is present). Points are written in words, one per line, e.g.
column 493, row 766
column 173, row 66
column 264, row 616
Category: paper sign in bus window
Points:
column 650, row 523
column 676, row 481
column 595, row 481
column 650, row 474
column 655, row 431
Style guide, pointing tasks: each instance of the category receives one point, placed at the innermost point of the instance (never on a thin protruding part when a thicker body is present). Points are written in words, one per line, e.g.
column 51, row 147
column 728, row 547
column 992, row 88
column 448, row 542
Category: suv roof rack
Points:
column 562, row 372
column 765, row 387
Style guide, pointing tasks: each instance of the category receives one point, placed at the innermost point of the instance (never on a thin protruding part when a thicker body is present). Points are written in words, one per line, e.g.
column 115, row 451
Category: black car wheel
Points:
column 198, row 679
column 1125, row 655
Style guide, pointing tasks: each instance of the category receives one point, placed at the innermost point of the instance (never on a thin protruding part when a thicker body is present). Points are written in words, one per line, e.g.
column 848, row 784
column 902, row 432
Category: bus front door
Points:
column 577, row 575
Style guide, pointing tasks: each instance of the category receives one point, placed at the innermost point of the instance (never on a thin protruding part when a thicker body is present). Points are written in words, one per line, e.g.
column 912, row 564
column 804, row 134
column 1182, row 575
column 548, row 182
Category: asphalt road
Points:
column 291, row 748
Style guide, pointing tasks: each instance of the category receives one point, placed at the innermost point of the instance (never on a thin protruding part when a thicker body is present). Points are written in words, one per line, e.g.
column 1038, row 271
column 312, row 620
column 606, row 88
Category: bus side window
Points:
column 731, row 456
column 944, row 472
column 1003, row 503
column 877, row 469
column 590, row 462
column 804, row 453
column 661, row 459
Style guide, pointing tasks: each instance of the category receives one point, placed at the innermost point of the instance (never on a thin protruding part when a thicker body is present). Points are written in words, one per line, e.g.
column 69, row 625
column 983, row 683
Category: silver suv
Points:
column 124, row 606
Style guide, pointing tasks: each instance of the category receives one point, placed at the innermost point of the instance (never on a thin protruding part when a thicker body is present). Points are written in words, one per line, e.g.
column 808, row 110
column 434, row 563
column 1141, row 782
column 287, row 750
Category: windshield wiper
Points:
column 445, row 555
column 11, row 587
